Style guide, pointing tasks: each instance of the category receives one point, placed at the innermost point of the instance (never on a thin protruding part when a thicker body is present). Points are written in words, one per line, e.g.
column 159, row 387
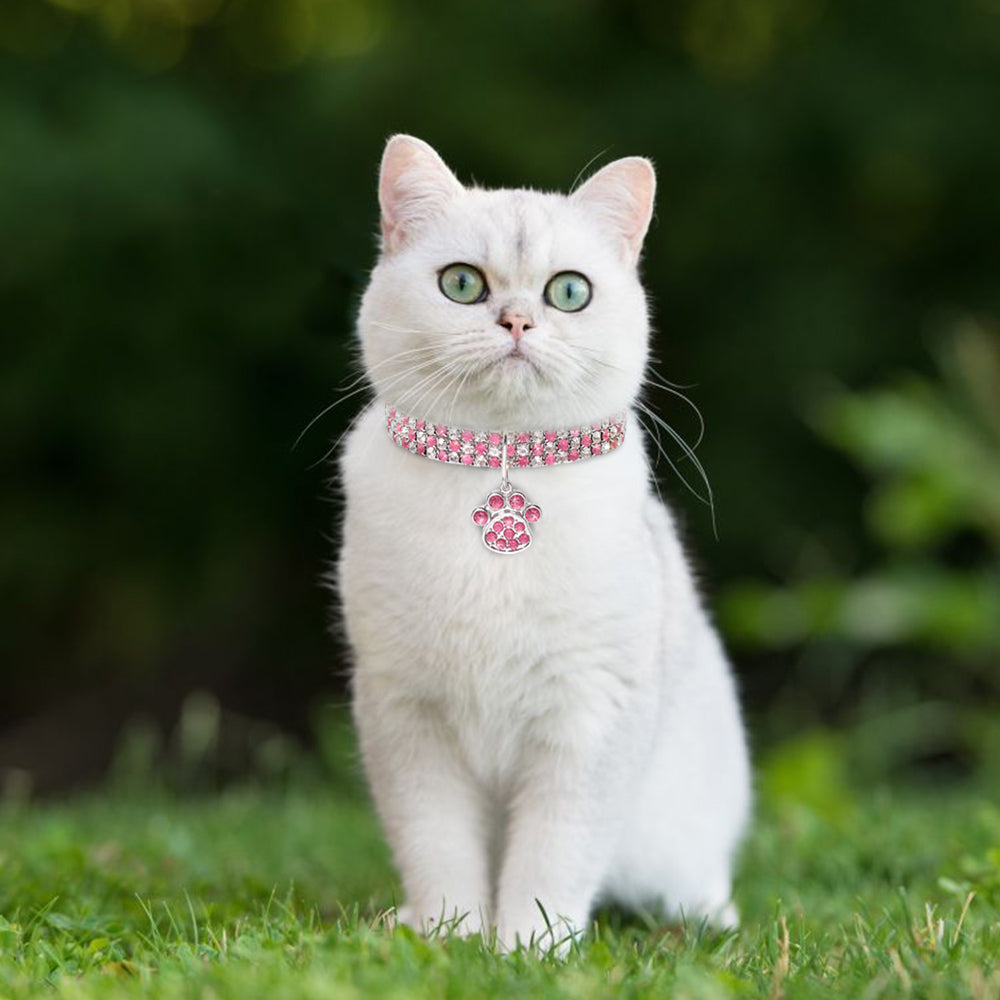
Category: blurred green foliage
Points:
column 913, row 635
column 187, row 213
column 932, row 450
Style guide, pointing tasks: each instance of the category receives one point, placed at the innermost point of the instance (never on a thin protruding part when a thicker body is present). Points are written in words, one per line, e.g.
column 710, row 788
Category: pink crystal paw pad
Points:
column 506, row 522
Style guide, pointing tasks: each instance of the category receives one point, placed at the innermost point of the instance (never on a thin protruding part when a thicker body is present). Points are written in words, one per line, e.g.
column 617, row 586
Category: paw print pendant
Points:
column 506, row 519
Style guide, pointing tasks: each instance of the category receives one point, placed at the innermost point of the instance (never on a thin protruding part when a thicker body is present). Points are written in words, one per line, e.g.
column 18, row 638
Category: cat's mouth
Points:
column 516, row 359
column 515, row 363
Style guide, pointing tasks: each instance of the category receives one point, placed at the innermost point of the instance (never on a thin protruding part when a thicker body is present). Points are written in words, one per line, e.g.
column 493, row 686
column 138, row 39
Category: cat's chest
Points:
column 421, row 588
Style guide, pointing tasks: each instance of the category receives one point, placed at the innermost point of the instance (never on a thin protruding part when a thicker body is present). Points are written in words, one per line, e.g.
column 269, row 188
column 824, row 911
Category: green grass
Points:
column 279, row 893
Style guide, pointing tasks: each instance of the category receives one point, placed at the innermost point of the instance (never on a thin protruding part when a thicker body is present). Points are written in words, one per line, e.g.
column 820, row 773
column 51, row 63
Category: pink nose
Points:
column 516, row 323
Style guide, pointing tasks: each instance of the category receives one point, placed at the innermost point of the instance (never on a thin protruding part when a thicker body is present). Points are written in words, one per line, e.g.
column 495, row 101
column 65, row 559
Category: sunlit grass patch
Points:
column 267, row 893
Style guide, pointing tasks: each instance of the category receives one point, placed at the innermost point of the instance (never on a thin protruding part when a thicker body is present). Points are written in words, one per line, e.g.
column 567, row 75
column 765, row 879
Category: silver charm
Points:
column 506, row 517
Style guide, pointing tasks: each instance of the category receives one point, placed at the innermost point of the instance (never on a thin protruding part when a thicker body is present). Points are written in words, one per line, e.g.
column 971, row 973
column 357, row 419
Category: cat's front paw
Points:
column 506, row 522
column 538, row 932
column 463, row 924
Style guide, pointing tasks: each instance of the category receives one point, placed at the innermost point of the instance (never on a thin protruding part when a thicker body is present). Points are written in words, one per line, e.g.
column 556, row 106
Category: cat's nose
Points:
column 517, row 323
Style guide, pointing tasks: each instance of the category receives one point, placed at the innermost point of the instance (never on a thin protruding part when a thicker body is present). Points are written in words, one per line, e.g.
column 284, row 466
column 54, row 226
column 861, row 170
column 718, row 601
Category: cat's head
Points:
column 506, row 308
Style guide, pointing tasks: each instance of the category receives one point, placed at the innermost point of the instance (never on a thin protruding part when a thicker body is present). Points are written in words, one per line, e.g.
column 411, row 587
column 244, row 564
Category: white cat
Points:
column 556, row 726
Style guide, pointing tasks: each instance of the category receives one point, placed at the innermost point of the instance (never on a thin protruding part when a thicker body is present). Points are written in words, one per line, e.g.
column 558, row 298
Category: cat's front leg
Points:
column 565, row 818
column 433, row 815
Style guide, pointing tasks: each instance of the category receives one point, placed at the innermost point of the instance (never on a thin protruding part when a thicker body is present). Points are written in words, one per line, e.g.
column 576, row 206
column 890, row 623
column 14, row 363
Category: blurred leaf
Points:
column 809, row 773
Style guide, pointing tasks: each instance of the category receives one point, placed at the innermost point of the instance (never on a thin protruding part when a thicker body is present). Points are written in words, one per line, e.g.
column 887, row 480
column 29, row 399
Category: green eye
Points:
column 568, row 291
column 463, row 283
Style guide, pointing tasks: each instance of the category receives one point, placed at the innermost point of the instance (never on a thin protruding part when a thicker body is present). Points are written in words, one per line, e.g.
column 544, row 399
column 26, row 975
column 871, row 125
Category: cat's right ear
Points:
column 414, row 184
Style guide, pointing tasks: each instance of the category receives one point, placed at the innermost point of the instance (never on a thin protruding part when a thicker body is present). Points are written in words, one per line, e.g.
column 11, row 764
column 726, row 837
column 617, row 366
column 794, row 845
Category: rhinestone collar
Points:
column 506, row 518
column 484, row 449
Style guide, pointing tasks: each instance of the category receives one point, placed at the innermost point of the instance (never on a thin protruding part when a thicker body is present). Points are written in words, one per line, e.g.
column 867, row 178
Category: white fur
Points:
column 560, row 727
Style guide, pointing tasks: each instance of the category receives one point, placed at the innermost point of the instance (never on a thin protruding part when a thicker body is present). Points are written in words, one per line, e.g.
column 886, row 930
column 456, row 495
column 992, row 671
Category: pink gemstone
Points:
column 574, row 454
column 494, row 462
column 550, row 435
column 550, row 459
column 480, row 516
column 495, row 438
column 563, row 444
column 510, row 451
column 595, row 450
column 508, row 521
column 480, row 447
column 442, row 455
column 410, row 433
column 495, row 501
column 605, row 434
column 508, row 533
column 614, row 443
column 441, row 430
column 501, row 543
column 455, row 446
column 392, row 413
column 491, row 537
column 514, row 544
column 537, row 449
column 431, row 440
column 585, row 440
column 522, row 438
column 467, row 435
column 532, row 514
column 466, row 460
column 519, row 525
column 524, row 539
column 516, row 501
column 421, row 448
column 522, row 460
column 421, row 424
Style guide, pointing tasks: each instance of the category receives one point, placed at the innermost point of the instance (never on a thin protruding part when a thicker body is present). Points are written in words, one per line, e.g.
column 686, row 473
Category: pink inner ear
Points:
column 414, row 185
column 621, row 195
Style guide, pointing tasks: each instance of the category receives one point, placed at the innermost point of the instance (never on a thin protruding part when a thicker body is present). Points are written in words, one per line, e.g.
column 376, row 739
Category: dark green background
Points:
column 187, row 215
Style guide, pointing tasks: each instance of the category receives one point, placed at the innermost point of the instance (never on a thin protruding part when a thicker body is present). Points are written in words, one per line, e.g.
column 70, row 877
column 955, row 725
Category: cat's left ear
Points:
column 621, row 194
column 414, row 184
